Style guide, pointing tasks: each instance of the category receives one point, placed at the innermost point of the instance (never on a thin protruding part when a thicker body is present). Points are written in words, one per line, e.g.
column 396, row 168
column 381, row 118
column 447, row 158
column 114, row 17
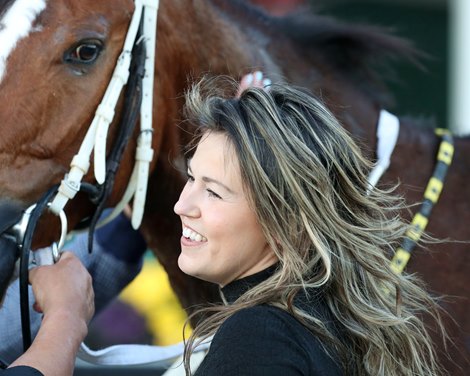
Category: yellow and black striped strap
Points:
column 431, row 196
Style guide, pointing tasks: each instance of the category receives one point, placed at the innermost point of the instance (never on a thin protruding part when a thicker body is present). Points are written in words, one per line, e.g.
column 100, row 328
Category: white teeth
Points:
column 194, row 236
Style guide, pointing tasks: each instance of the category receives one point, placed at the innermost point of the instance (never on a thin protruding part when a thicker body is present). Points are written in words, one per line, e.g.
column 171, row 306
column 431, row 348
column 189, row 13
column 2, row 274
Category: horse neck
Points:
column 198, row 37
column 230, row 37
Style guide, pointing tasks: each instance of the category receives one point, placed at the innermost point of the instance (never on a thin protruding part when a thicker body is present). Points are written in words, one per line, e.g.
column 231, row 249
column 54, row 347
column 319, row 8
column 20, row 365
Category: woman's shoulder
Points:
column 259, row 319
column 262, row 333
column 269, row 325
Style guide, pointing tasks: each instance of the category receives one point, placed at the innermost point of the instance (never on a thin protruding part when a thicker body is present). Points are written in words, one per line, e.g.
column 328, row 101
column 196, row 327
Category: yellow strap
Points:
column 418, row 224
column 446, row 152
column 399, row 261
column 433, row 189
column 432, row 193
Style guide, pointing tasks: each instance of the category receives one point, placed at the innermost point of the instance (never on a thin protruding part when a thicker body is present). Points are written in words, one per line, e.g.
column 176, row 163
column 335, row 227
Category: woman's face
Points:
column 222, row 240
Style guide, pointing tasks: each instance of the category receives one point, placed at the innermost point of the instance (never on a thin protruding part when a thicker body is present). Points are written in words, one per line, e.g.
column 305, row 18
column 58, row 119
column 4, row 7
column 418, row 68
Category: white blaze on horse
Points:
column 57, row 69
column 16, row 24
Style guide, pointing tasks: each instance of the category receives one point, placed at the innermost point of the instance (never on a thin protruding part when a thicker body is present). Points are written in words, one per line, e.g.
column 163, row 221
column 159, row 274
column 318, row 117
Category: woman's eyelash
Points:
column 189, row 176
column 213, row 194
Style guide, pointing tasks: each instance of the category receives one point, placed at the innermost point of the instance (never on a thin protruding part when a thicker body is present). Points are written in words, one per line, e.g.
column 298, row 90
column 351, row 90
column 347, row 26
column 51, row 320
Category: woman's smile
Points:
column 190, row 234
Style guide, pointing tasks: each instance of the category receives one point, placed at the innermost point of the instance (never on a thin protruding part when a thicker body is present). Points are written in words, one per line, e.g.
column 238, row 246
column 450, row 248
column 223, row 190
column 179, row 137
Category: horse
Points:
column 54, row 74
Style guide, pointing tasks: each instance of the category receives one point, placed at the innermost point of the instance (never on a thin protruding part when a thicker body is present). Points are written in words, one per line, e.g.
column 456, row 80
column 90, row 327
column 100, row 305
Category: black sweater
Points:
column 266, row 341
column 20, row 371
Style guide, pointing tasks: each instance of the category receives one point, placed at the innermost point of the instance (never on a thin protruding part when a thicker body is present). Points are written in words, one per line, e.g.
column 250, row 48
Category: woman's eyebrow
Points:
column 210, row 180
column 207, row 179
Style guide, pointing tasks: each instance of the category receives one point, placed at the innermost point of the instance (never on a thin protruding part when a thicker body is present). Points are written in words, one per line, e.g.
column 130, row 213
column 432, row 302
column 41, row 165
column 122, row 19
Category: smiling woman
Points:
column 276, row 211
column 222, row 239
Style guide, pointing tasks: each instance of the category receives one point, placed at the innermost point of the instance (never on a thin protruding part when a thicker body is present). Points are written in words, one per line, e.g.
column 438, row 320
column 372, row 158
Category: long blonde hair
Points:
column 306, row 180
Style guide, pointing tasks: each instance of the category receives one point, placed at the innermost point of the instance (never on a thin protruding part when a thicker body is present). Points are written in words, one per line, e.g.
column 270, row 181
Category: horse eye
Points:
column 84, row 53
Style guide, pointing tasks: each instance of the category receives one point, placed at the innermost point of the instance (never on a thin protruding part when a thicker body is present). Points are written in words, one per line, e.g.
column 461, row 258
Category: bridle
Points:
column 135, row 70
column 95, row 139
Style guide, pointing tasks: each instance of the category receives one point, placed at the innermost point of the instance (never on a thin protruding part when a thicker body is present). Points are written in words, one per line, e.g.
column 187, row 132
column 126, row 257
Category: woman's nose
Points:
column 186, row 204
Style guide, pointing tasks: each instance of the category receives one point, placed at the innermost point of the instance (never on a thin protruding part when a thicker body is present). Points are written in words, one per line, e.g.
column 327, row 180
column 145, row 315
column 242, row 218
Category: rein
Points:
column 431, row 196
column 388, row 128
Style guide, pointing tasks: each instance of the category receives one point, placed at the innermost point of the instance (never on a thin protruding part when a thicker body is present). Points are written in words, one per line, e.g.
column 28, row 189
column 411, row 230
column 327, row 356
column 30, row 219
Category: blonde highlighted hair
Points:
column 306, row 180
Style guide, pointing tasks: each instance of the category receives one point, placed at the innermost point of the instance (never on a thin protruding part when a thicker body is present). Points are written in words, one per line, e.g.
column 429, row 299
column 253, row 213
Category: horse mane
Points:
column 359, row 54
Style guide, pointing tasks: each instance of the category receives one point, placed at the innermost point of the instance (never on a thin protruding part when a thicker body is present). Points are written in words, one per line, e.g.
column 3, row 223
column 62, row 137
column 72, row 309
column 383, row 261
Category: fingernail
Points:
column 258, row 76
column 249, row 79
column 267, row 82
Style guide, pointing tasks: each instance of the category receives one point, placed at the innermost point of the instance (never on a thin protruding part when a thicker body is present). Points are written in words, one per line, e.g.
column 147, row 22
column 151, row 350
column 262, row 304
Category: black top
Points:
column 20, row 371
column 265, row 340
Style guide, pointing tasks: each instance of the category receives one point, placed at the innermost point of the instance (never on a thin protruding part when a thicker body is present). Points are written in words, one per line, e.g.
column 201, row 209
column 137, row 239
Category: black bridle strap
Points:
column 98, row 194
column 24, row 264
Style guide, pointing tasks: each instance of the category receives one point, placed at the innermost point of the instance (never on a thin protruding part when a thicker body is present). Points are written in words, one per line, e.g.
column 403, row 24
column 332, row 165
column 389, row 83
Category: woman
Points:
column 276, row 212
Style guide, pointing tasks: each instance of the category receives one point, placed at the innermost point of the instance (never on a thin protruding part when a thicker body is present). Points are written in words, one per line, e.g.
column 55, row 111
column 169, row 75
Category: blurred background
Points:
column 147, row 312
column 417, row 92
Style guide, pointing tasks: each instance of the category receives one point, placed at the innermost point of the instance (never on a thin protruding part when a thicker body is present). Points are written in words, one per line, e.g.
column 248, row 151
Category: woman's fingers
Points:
column 255, row 79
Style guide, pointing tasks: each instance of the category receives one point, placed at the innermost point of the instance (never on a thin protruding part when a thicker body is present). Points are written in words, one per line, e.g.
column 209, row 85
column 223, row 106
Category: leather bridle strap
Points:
column 137, row 186
column 36, row 213
column 95, row 139
column 132, row 104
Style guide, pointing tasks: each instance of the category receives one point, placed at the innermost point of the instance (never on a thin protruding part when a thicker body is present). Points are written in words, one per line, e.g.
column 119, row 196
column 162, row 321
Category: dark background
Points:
column 418, row 92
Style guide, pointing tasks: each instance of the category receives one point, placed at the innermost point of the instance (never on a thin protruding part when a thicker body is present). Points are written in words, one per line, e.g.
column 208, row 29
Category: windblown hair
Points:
column 306, row 180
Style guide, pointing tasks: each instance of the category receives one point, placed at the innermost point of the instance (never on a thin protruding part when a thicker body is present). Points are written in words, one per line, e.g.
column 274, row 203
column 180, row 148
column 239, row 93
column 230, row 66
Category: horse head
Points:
column 55, row 64
column 53, row 75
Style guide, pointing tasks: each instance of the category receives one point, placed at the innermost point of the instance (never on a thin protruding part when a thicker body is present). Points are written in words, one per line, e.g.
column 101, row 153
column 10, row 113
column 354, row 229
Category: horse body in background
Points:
column 56, row 75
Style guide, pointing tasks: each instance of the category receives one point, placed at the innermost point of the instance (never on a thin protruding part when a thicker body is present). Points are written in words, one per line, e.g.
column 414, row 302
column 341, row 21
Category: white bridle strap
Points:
column 144, row 152
column 95, row 139
column 388, row 128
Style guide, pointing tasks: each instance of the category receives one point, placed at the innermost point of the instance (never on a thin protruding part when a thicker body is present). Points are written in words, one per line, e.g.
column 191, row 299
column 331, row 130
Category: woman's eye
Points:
column 213, row 194
column 189, row 177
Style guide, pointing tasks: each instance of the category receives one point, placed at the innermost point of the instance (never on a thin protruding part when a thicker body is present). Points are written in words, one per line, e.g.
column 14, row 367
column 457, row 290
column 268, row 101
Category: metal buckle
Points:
column 19, row 229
